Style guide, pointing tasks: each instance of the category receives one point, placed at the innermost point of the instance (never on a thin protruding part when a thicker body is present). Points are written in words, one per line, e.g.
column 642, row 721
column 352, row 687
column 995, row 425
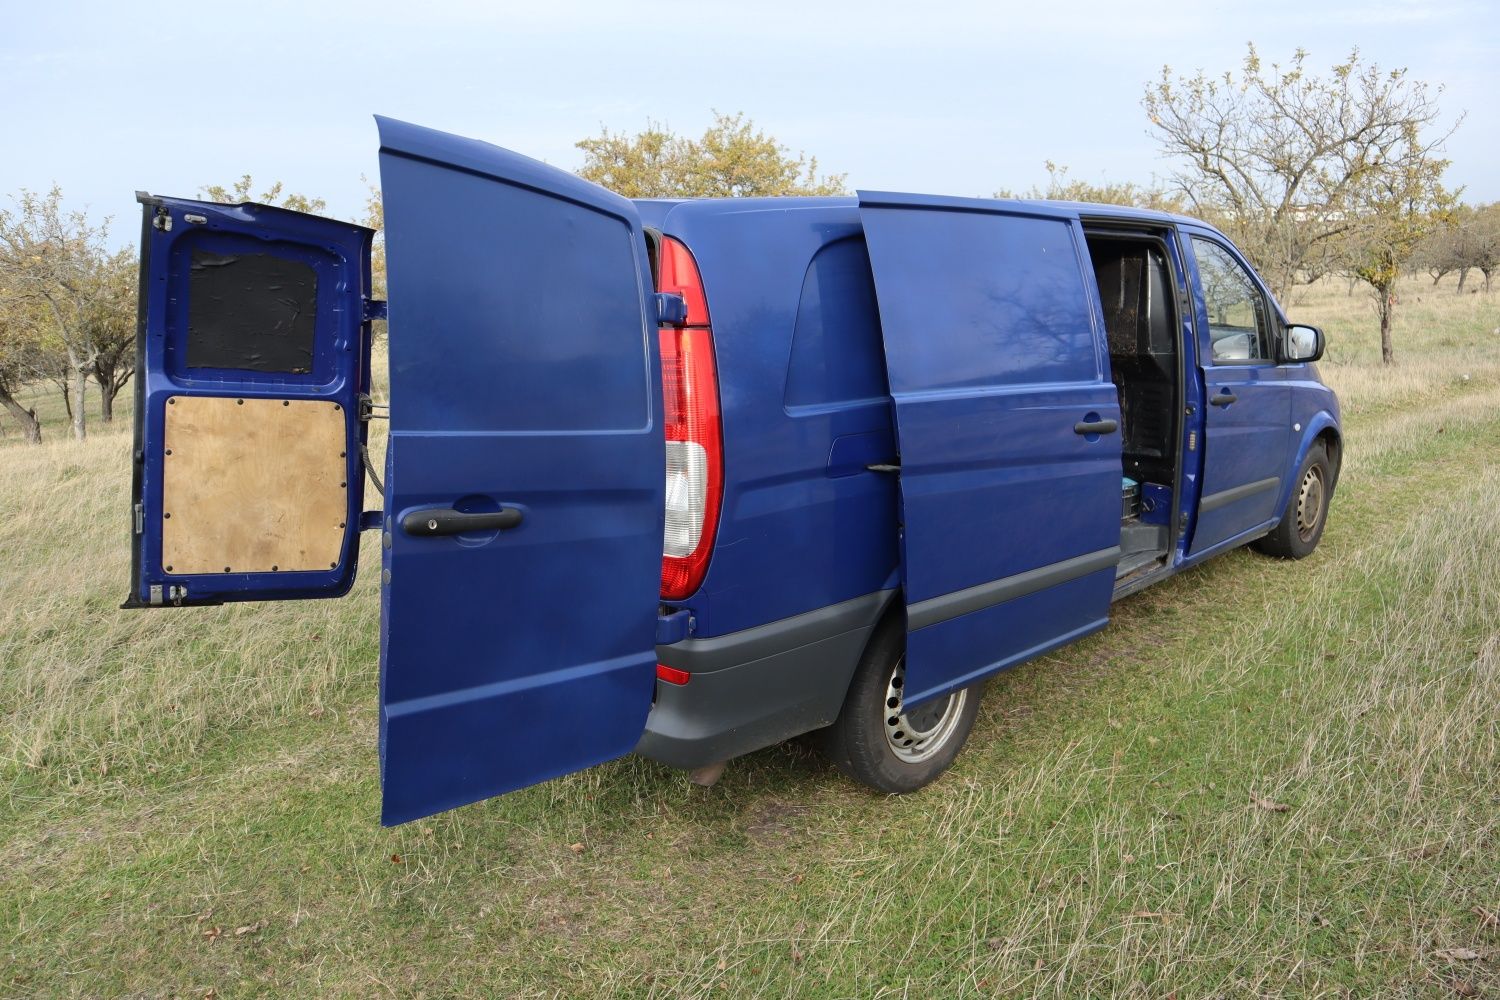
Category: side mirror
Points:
column 1301, row 343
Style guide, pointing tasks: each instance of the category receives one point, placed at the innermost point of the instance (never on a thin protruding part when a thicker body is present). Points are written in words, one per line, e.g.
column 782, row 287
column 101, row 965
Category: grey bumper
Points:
column 755, row 688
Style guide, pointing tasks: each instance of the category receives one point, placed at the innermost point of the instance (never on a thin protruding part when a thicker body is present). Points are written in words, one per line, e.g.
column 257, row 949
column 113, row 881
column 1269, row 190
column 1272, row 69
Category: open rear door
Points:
column 525, row 477
column 1007, row 425
column 252, row 353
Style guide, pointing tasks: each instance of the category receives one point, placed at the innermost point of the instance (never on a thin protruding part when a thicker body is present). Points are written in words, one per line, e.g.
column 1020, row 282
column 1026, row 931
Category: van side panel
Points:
column 804, row 525
column 806, row 556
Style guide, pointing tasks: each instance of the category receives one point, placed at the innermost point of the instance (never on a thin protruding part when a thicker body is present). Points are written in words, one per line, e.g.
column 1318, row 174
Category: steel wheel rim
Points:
column 919, row 735
column 1310, row 503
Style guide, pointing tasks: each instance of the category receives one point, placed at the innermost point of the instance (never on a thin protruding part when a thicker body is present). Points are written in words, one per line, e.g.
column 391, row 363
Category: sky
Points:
column 939, row 97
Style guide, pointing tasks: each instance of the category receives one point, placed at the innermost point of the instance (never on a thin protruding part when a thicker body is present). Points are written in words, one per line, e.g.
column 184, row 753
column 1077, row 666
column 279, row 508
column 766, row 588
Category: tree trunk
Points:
column 30, row 426
column 1387, row 308
column 1463, row 275
column 106, row 401
column 80, row 387
column 1487, row 272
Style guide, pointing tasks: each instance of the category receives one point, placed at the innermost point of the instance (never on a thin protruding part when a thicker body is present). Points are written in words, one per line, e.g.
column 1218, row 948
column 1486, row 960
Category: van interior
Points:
column 1140, row 319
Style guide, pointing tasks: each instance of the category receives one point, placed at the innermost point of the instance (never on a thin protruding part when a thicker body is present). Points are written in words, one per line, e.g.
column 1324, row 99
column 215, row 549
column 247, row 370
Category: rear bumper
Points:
column 755, row 688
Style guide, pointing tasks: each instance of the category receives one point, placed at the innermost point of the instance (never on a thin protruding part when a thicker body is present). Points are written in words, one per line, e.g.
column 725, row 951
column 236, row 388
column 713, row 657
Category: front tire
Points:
column 877, row 741
column 1301, row 525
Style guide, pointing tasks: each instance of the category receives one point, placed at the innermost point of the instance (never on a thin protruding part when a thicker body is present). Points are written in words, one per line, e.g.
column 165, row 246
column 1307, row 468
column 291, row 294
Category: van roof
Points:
column 1083, row 209
column 779, row 203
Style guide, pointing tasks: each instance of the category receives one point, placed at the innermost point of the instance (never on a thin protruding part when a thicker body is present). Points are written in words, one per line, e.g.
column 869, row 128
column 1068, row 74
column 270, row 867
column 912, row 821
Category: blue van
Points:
column 689, row 478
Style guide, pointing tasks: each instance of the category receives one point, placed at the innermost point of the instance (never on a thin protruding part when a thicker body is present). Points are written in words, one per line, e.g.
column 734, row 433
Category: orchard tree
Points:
column 732, row 160
column 1480, row 246
column 1060, row 187
column 240, row 192
column 51, row 261
column 1388, row 224
column 112, row 317
column 18, row 359
column 1285, row 159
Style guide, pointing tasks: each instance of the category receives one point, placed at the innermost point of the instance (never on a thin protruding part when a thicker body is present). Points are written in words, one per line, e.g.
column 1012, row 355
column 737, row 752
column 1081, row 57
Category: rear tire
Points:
column 1301, row 525
column 877, row 741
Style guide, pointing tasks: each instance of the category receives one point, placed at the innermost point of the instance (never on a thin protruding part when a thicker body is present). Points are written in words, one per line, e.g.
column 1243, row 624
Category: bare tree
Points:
column 1283, row 159
column 51, row 258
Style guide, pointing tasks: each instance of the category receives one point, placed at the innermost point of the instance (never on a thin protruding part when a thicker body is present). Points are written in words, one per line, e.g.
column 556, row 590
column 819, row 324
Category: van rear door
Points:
column 1007, row 424
column 252, row 353
column 526, row 474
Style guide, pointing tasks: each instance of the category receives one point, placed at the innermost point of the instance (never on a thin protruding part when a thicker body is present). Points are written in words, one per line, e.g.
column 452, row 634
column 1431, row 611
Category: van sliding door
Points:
column 1007, row 424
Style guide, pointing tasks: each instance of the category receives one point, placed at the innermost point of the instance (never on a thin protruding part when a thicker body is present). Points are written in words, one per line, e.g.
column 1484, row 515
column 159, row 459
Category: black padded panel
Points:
column 252, row 312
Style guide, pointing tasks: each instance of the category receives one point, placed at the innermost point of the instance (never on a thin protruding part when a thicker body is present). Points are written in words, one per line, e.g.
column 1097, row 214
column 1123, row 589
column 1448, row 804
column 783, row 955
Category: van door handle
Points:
column 1096, row 426
column 1222, row 399
column 447, row 521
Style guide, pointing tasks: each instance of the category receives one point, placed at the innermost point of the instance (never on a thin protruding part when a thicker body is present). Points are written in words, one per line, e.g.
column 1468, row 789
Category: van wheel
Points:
column 1301, row 526
column 877, row 741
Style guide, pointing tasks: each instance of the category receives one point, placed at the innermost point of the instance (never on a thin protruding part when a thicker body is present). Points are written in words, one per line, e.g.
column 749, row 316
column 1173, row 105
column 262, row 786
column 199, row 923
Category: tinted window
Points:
column 1238, row 318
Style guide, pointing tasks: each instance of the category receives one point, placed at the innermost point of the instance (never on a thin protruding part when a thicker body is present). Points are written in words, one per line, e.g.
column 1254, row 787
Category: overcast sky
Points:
column 942, row 97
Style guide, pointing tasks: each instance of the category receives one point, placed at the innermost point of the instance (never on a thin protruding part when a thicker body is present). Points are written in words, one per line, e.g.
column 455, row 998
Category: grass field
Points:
column 1265, row 779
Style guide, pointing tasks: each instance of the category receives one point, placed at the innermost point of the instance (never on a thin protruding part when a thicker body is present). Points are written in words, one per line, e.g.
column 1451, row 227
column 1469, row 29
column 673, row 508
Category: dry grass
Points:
column 1114, row 828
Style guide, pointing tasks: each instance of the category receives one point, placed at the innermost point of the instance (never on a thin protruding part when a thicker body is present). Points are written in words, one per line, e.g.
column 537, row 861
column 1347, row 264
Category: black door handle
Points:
column 447, row 521
column 1096, row 426
column 1223, row 398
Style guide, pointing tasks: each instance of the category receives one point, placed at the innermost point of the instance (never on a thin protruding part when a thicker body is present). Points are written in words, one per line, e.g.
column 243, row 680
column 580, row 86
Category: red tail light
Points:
column 695, row 446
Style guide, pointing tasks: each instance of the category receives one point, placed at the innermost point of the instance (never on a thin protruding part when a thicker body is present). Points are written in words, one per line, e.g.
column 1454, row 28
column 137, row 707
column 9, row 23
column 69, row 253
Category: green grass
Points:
column 169, row 774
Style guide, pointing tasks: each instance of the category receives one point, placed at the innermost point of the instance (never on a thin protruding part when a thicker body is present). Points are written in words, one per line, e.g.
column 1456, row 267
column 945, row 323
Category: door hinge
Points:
column 368, row 406
column 376, row 309
column 162, row 219
column 140, row 519
column 671, row 309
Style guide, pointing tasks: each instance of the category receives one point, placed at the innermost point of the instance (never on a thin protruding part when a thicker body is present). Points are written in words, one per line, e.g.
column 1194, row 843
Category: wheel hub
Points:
column 917, row 735
column 1310, row 503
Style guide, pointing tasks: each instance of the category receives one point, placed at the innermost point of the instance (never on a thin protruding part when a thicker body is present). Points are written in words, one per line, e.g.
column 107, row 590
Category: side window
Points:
column 1239, row 325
